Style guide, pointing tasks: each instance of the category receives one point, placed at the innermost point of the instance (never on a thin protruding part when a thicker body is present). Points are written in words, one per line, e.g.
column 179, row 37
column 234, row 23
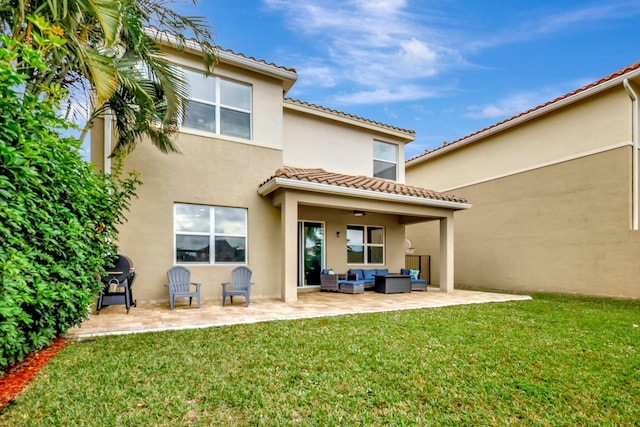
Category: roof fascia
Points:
column 293, row 184
column 308, row 109
column 526, row 117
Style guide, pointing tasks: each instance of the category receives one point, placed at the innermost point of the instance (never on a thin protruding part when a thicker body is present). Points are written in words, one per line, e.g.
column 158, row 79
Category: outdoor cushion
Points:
column 382, row 271
column 369, row 274
column 351, row 282
column 357, row 272
column 405, row 271
column 414, row 274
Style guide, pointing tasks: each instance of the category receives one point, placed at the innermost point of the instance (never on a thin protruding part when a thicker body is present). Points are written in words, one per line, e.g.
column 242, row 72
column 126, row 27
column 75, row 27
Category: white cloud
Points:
column 381, row 95
column 375, row 47
column 510, row 106
column 372, row 50
column 317, row 75
column 537, row 23
column 419, row 57
column 563, row 20
column 516, row 103
column 381, row 7
column 390, row 113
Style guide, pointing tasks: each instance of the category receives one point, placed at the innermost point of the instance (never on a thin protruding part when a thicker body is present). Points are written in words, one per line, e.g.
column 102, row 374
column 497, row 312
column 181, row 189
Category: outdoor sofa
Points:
column 417, row 282
column 354, row 282
column 365, row 276
column 358, row 280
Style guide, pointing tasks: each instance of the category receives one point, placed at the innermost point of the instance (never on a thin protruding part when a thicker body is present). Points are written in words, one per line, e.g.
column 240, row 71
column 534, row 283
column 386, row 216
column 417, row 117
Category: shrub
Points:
column 57, row 218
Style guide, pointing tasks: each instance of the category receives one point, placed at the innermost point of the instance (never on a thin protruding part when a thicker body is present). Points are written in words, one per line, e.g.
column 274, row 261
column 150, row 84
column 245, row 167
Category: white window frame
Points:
column 217, row 105
column 367, row 244
column 212, row 236
column 395, row 163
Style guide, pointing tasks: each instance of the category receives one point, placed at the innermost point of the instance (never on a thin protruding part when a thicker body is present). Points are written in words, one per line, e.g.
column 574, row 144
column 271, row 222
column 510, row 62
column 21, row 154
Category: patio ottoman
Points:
column 352, row 287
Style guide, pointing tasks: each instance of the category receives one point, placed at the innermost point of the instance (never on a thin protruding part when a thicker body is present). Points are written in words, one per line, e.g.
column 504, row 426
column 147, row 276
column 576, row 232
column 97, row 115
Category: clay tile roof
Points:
column 349, row 116
column 293, row 70
column 168, row 36
column 606, row 79
column 321, row 176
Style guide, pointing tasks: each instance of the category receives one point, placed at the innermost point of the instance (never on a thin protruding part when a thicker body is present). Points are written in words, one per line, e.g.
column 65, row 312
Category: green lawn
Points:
column 551, row 361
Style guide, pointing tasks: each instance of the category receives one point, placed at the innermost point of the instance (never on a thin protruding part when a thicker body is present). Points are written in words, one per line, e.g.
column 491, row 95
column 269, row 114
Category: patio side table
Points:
column 329, row 282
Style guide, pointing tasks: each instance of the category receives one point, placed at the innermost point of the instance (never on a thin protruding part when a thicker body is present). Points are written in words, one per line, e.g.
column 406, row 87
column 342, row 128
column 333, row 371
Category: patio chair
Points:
column 180, row 286
column 240, row 285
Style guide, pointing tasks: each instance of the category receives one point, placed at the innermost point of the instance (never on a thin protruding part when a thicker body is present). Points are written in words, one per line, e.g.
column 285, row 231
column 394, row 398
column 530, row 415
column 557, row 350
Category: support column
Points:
column 289, row 226
column 446, row 254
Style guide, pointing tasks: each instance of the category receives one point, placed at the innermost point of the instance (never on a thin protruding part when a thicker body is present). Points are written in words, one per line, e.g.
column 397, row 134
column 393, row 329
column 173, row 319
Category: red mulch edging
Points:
column 18, row 376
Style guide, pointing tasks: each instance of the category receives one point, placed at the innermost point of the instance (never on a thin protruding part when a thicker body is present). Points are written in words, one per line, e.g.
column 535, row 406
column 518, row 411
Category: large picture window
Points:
column 218, row 105
column 210, row 234
column 385, row 160
column 365, row 244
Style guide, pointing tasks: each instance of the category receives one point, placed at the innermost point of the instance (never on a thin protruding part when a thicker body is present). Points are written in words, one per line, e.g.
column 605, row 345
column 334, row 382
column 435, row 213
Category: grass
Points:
column 556, row 360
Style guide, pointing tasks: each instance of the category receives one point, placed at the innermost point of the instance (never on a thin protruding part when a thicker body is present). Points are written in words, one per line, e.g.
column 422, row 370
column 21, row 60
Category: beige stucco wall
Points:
column 336, row 220
column 227, row 171
column 551, row 203
column 211, row 172
column 600, row 121
column 562, row 228
column 266, row 101
column 314, row 142
column 215, row 171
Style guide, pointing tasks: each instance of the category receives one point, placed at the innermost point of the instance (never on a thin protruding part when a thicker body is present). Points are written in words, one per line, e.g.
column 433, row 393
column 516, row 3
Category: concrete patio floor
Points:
column 114, row 320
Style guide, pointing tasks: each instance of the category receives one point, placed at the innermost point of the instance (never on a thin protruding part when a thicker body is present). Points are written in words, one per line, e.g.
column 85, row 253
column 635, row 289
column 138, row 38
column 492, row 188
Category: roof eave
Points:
column 287, row 77
column 524, row 118
column 293, row 184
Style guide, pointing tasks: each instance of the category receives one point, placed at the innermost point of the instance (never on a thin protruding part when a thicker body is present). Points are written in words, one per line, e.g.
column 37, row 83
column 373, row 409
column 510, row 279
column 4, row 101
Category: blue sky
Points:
column 444, row 68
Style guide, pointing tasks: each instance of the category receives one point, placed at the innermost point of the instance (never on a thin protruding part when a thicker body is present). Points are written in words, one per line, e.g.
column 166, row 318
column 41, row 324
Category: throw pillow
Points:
column 414, row 274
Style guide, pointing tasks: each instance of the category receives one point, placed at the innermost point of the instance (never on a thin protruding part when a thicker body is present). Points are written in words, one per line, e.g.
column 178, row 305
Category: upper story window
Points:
column 210, row 234
column 385, row 160
column 218, row 105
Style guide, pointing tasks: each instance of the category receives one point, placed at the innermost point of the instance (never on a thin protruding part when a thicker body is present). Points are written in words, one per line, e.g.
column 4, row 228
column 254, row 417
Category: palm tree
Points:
column 107, row 55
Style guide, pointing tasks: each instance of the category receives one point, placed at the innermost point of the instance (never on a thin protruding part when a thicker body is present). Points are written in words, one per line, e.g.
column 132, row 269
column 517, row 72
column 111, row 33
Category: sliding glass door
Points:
column 310, row 252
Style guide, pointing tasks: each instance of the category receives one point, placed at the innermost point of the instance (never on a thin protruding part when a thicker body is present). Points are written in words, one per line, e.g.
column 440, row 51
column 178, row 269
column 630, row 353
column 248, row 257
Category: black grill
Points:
column 117, row 285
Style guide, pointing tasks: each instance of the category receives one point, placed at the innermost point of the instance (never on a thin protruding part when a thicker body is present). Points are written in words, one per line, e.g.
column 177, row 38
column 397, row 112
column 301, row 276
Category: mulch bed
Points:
column 13, row 381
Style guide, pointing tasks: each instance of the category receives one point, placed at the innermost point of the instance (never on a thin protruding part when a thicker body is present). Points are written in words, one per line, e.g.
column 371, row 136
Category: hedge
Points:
column 58, row 218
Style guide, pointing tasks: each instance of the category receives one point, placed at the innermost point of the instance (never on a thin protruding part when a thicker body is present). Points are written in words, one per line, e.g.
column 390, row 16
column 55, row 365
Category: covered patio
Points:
column 114, row 320
column 319, row 195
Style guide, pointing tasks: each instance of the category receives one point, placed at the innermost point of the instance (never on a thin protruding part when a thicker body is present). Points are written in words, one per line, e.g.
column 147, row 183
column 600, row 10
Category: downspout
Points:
column 634, row 156
column 108, row 127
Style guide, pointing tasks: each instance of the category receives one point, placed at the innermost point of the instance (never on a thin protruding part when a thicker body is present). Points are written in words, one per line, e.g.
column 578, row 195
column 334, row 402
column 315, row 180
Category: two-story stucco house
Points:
column 555, row 195
column 279, row 185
